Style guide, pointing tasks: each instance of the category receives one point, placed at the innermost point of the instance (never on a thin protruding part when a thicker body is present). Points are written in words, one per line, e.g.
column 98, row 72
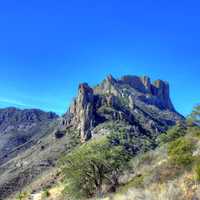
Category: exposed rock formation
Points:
column 132, row 99
column 82, row 110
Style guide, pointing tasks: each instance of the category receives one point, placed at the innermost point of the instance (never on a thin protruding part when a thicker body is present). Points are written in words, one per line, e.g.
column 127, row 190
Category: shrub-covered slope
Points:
column 170, row 172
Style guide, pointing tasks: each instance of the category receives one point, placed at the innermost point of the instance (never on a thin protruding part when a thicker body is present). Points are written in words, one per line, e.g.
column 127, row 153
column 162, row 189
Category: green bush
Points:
column 180, row 151
column 194, row 117
column 136, row 182
column 197, row 171
column 46, row 193
column 90, row 166
column 22, row 196
column 195, row 131
column 173, row 133
column 133, row 145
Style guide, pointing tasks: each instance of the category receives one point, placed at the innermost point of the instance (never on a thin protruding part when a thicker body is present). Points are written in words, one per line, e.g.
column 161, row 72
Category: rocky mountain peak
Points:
column 131, row 99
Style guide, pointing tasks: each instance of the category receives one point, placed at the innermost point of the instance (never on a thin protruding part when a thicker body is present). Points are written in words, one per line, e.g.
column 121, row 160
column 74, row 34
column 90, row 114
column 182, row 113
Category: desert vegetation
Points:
column 91, row 166
column 99, row 167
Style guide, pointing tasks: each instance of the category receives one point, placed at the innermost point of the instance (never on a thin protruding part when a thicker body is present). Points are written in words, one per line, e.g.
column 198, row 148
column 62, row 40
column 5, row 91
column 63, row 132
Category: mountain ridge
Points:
column 126, row 96
column 141, row 108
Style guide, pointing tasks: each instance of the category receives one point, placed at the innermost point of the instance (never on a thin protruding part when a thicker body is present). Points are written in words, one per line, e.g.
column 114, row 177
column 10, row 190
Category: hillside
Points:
column 156, row 174
column 132, row 110
column 19, row 127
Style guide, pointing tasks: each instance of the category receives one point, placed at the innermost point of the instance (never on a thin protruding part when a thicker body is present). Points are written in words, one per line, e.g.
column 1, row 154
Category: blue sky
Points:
column 48, row 47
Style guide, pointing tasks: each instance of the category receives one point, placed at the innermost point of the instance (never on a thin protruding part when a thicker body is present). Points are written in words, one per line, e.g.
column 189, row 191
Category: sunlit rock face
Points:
column 132, row 99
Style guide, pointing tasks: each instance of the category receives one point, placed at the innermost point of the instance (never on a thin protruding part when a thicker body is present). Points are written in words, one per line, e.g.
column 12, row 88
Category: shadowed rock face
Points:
column 132, row 99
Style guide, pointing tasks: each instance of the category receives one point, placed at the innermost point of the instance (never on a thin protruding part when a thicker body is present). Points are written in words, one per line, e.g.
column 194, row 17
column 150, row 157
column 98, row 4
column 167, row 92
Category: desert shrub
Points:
column 197, row 170
column 136, row 182
column 147, row 158
column 164, row 173
column 90, row 166
column 180, row 151
column 173, row 133
column 194, row 130
column 194, row 117
column 22, row 196
column 132, row 144
column 74, row 138
column 46, row 193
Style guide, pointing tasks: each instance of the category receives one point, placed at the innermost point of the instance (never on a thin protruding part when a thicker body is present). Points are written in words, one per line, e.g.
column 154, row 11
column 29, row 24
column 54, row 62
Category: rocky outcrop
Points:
column 160, row 89
column 132, row 99
column 82, row 111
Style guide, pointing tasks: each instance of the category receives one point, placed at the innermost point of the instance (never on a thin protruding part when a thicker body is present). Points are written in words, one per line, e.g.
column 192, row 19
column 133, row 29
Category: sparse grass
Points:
column 146, row 159
column 22, row 196
column 136, row 182
column 164, row 173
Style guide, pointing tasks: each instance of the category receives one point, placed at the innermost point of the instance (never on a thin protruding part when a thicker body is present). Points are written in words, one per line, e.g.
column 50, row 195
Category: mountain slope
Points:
column 133, row 104
column 169, row 172
column 18, row 127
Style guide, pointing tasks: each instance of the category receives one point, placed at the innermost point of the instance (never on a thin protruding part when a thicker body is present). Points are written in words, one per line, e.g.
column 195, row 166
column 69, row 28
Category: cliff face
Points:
column 131, row 99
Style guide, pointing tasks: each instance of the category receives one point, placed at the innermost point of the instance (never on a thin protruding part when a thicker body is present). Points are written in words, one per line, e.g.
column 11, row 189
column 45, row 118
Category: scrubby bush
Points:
column 194, row 117
column 91, row 165
column 132, row 144
column 22, row 196
column 197, row 171
column 194, row 130
column 180, row 151
column 136, row 182
column 173, row 133
column 46, row 193
column 147, row 158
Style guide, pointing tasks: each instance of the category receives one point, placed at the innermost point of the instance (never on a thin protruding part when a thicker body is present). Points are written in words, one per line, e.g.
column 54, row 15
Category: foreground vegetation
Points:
column 95, row 163
column 96, row 167
column 103, row 169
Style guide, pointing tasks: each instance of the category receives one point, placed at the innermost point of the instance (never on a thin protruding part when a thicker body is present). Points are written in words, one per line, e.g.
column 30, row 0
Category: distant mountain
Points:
column 31, row 141
column 18, row 127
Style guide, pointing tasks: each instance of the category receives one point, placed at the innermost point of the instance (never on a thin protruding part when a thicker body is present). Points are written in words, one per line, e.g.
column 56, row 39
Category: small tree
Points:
column 91, row 165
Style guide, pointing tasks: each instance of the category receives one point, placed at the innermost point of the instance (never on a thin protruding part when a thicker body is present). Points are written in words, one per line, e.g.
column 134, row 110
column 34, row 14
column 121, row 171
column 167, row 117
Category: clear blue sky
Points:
column 48, row 47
